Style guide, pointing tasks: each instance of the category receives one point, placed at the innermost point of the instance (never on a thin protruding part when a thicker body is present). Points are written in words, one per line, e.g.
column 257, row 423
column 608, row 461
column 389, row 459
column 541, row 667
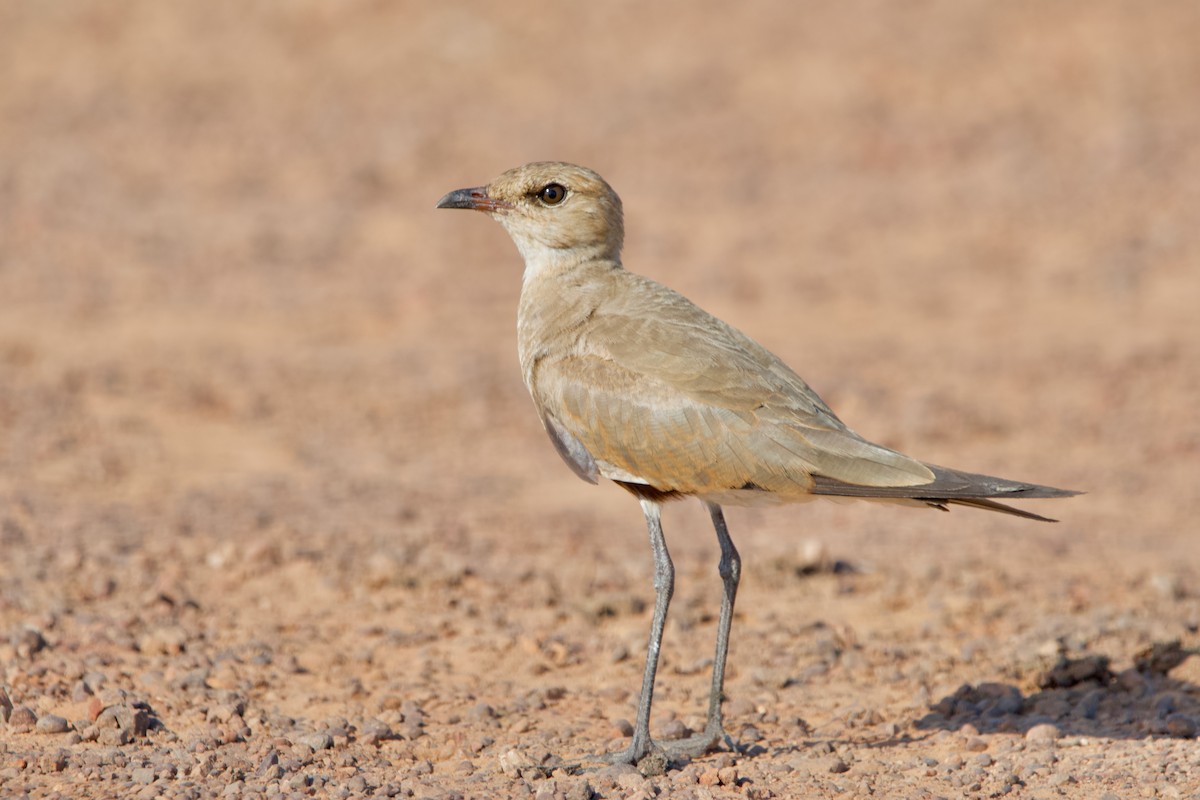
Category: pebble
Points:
column 28, row 641
column 126, row 719
column 480, row 712
column 53, row 762
column 1181, row 726
column 171, row 640
column 632, row 781
column 1043, row 733
column 580, row 790
column 375, row 731
column 22, row 718
column 674, row 730
column 1068, row 672
column 52, row 723
column 512, row 762
column 265, row 767
column 315, row 741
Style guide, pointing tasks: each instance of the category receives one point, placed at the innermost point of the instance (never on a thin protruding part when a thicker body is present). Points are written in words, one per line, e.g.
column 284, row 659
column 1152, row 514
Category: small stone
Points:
column 52, row 723
column 22, row 718
column 94, row 708
column 265, row 766
column 1068, row 672
column 976, row 744
column 580, row 790
column 481, row 711
column 53, row 762
column 28, row 641
column 839, row 766
column 623, row 727
column 375, row 731
column 674, row 730
column 512, row 762
column 1059, row 778
column 127, row 718
column 1169, row 586
column 1181, row 726
column 1161, row 657
column 983, row 760
column 143, row 775
column 114, row 737
column 315, row 741
column 224, row 712
column 1043, row 733
column 6, row 706
column 632, row 781
column 412, row 712
column 170, row 640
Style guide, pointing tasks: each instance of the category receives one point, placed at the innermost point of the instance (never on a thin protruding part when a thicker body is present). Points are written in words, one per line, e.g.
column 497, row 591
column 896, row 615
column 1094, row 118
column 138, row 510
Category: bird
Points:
column 636, row 384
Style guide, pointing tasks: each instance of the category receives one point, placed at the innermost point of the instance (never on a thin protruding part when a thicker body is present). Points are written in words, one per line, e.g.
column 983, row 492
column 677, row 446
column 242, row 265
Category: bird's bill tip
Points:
column 476, row 199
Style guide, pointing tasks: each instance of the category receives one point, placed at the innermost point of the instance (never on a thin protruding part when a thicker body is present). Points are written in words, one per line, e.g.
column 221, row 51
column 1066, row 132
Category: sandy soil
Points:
column 276, row 516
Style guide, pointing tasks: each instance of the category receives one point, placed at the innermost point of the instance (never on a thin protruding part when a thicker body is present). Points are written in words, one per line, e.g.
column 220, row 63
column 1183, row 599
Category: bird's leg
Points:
column 730, row 569
column 664, row 586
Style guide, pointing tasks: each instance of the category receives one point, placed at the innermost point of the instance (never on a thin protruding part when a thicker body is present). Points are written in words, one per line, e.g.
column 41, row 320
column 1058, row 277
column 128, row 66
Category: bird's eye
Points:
column 552, row 194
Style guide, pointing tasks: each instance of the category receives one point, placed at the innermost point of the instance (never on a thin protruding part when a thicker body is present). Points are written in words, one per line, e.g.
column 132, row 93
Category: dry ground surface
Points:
column 276, row 516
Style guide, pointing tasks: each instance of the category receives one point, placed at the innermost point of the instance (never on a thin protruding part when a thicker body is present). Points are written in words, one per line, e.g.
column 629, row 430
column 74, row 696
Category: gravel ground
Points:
column 276, row 517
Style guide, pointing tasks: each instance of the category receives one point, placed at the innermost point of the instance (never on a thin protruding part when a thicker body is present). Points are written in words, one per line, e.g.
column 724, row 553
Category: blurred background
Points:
column 970, row 226
column 235, row 331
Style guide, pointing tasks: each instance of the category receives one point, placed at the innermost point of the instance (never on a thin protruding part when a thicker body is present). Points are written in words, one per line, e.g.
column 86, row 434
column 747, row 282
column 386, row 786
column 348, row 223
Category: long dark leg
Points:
column 730, row 569
column 664, row 587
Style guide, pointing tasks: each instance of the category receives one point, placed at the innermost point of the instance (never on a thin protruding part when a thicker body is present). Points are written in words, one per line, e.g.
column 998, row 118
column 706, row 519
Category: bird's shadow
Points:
column 1081, row 697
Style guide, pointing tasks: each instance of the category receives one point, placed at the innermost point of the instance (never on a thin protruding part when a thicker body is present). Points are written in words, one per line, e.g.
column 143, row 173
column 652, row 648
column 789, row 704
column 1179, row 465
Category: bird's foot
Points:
column 653, row 758
column 696, row 745
column 645, row 755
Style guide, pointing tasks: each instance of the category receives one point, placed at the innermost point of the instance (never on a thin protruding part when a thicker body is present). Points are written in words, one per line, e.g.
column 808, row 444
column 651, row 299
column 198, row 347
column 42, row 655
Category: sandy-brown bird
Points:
column 635, row 383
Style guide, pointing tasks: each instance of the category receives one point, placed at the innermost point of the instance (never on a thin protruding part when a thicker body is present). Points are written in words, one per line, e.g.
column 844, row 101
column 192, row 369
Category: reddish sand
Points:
column 272, row 493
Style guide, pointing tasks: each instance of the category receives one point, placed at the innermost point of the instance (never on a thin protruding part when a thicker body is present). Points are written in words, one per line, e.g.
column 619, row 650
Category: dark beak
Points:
column 476, row 199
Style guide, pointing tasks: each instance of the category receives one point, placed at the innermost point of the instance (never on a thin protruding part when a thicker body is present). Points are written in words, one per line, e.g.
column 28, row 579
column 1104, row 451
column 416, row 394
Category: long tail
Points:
column 952, row 487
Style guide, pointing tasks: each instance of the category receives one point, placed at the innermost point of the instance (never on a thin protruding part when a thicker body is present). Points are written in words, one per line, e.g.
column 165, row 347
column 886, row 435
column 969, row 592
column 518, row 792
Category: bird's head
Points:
column 556, row 213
